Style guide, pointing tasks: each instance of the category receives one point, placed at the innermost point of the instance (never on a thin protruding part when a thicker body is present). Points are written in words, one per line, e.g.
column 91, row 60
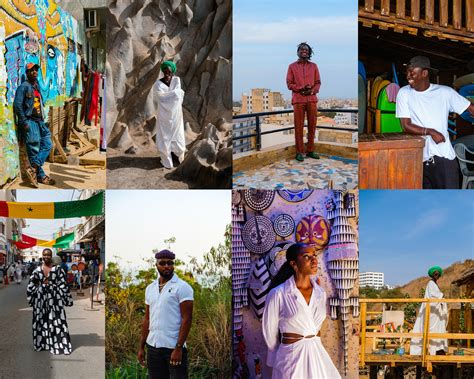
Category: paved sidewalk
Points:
column 19, row 360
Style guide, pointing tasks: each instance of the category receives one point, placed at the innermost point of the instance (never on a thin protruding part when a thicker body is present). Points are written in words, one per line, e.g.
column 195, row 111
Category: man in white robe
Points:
column 169, row 120
column 438, row 318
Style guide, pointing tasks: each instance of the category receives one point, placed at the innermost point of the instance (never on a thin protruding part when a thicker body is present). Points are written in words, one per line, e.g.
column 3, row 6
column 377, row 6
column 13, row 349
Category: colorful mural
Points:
column 34, row 31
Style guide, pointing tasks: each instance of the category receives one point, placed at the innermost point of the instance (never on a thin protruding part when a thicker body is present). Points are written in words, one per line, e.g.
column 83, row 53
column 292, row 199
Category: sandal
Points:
column 31, row 175
column 47, row 180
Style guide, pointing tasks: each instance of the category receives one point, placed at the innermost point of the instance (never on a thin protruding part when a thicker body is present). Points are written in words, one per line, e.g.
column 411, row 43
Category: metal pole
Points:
column 257, row 130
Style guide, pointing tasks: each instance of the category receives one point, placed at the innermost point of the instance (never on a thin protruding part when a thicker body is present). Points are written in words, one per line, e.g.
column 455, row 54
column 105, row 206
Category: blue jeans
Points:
column 38, row 145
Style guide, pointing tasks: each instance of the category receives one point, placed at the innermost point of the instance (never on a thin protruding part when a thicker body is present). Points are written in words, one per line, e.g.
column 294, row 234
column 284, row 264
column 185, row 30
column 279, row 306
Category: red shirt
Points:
column 301, row 73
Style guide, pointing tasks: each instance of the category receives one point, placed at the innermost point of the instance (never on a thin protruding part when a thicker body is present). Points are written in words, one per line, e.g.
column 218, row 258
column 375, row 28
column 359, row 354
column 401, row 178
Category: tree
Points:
column 169, row 241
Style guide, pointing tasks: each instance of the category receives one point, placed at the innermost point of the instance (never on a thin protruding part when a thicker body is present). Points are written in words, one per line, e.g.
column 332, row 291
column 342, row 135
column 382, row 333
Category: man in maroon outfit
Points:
column 303, row 80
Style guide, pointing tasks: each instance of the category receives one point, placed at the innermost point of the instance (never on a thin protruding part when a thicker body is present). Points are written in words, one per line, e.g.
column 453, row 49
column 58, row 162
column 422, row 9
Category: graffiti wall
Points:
column 36, row 31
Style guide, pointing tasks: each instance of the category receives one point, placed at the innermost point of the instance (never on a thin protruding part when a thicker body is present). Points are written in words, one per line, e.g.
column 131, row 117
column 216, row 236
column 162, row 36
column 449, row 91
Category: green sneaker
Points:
column 299, row 157
column 313, row 155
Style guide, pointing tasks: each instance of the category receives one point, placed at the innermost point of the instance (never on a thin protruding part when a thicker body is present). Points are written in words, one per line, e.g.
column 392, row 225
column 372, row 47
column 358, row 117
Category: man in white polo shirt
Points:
column 423, row 109
column 168, row 316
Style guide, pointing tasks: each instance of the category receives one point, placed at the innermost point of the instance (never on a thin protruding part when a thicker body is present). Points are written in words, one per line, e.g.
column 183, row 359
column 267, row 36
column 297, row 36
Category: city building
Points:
column 261, row 100
column 10, row 231
column 371, row 279
column 243, row 127
column 346, row 118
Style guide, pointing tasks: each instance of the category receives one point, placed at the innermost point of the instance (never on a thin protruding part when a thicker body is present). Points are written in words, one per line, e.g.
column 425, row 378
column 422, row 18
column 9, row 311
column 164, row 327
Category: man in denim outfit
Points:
column 28, row 107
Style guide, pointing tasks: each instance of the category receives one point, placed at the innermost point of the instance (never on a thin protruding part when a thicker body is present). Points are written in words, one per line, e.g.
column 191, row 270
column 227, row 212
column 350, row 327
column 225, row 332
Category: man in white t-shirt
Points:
column 423, row 109
column 168, row 316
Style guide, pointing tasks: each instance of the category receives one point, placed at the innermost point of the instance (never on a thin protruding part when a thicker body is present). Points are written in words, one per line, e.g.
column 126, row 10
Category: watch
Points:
column 179, row 346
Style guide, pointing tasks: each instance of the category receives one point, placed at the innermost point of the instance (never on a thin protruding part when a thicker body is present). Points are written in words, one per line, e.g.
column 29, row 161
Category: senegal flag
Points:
column 92, row 206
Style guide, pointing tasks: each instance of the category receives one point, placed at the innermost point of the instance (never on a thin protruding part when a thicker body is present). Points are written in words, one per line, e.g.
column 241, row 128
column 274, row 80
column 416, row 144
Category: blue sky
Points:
column 403, row 233
column 138, row 221
column 267, row 32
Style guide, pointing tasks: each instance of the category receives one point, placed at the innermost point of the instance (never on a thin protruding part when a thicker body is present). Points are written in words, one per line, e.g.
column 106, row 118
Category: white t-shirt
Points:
column 430, row 109
column 165, row 314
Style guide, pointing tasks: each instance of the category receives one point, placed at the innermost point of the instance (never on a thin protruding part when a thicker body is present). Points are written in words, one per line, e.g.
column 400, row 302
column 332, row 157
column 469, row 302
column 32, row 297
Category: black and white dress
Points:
column 50, row 331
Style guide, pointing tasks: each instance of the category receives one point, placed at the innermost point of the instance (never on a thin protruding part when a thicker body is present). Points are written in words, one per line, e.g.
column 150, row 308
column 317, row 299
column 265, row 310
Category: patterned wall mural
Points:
column 36, row 31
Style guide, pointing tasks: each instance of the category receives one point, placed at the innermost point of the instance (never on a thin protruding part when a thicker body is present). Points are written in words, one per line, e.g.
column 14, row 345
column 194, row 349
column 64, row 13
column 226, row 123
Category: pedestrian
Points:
column 48, row 294
column 295, row 310
column 438, row 318
column 168, row 317
column 423, row 109
column 303, row 81
column 33, row 131
column 169, row 120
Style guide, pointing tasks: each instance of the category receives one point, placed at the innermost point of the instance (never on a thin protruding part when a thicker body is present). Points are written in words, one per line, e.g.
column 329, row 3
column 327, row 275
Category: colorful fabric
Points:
column 170, row 65
column 433, row 269
column 65, row 209
column 60, row 242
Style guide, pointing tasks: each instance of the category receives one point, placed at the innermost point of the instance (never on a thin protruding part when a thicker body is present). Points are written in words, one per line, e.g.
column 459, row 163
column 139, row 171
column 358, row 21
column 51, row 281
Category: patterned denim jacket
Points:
column 23, row 103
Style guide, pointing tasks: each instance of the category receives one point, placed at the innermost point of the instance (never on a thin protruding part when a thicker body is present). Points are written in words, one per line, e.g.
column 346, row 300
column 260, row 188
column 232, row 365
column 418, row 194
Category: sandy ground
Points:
column 69, row 176
column 141, row 171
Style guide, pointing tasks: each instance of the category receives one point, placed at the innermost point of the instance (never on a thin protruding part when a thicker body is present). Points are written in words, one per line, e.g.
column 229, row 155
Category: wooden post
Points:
column 400, row 8
column 457, row 14
column 426, row 330
column 429, row 12
column 443, row 13
column 369, row 6
column 415, row 10
column 363, row 315
column 470, row 15
column 385, row 8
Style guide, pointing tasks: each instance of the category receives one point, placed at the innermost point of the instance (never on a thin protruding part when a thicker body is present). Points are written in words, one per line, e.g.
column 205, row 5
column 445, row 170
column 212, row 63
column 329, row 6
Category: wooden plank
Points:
column 58, row 146
column 385, row 8
column 401, row 9
column 369, row 6
column 457, row 7
column 450, row 336
column 363, row 314
column 470, row 15
column 443, row 13
column 92, row 161
column 416, row 300
column 415, row 10
column 429, row 12
column 84, row 150
column 81, row 138
column 451, row 358
column 426, row 329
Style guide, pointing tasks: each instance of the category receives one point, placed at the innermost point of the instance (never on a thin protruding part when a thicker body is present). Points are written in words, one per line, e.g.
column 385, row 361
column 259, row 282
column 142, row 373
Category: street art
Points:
column 35, row 31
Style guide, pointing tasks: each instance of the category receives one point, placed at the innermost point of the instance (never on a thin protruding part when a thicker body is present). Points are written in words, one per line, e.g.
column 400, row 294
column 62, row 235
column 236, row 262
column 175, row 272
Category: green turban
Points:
column 170, row 65
column 433, row 269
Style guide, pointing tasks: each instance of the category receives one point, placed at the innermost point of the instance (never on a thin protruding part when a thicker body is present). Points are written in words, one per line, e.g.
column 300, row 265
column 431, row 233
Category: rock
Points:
column 197, row 35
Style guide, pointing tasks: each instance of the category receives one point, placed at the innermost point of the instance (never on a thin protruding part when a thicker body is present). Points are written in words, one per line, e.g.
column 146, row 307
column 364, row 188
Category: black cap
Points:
column 422, row 62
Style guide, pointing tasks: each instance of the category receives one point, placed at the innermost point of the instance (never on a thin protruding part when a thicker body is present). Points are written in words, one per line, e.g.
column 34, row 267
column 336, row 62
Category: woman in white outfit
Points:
column 169, row 121
column 438, row 317
column 294, row 313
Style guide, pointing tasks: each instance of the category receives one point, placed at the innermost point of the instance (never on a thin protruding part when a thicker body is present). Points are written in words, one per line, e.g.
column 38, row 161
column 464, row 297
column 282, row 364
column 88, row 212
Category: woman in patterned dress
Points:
column 48, row 294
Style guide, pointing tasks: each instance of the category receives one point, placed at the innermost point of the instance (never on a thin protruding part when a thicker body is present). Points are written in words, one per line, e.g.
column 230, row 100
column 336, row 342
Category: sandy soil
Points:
column 69, row 176
column 141, row 171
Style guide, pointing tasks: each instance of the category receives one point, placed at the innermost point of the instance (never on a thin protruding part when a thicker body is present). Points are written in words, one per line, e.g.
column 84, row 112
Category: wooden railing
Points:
column 426, row 359
column 450, row 18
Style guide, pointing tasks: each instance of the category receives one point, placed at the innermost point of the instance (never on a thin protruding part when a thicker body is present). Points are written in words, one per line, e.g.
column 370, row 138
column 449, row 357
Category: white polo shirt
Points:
column 430, row 109
column 165, row 315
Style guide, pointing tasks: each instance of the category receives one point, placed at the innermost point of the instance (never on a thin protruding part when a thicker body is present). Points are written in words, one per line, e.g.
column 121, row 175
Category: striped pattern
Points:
column 60, row 242
column 259, row 286
column 93, row 206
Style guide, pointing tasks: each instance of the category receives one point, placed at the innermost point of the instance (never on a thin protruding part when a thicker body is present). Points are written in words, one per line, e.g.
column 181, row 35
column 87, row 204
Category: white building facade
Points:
column 371, row 279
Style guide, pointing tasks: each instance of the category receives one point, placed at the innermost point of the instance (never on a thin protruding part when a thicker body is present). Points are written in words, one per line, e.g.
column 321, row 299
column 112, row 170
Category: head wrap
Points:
column 164, row 254
column 433, row 269
column 170, row 65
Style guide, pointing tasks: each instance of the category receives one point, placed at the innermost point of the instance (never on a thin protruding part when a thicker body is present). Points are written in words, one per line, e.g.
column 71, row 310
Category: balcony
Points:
column 270, row 161
column 92, row 229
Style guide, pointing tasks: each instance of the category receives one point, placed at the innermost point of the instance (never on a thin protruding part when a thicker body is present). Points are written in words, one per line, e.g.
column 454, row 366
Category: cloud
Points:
column 426, row 223
column 328, row 30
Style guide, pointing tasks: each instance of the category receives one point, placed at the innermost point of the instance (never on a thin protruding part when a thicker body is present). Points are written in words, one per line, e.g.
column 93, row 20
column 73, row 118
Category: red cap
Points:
column 31, row 66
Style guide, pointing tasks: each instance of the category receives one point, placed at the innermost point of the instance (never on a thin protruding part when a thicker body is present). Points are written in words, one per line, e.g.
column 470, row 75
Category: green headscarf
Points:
column 170, row 65
column 433, row 269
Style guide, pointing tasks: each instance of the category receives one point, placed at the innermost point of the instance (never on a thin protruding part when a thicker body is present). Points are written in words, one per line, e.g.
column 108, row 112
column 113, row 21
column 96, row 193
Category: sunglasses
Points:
column 166, row 263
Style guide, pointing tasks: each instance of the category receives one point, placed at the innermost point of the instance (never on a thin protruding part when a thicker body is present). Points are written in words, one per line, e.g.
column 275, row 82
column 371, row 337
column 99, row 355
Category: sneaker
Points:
column 313, row 155
column 299, row 157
